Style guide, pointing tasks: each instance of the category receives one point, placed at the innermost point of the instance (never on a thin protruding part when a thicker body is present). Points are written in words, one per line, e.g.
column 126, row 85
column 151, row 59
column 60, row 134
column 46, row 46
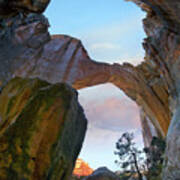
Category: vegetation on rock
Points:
column 155, row 158
column 134, row 164
column 41, row 131
column 129, row 156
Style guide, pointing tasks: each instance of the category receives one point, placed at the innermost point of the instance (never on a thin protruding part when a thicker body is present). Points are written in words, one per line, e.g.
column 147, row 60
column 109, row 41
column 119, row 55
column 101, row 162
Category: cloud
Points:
column 115, row 41
column 89, row 94
column 99, row 146
column 113, row 114
column 135, row 60
column 107, row 46
column 110, row 113
column 114, row 31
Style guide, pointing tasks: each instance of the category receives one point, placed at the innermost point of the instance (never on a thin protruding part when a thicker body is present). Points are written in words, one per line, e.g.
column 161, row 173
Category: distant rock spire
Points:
column 82, row 168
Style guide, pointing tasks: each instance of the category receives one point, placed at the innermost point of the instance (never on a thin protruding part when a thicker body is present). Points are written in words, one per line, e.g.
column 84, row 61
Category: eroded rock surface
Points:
column 162, row 47
column 148, row 129
column 41, row 130
column 12, row 7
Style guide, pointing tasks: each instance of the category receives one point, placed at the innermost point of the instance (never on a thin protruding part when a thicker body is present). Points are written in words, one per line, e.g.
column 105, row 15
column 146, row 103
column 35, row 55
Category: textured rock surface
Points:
column 163, row 49
column 28, row 50
column 102, row 174
column 41, row 130
column 11, row 7
column 148, row 129
column 172, row 159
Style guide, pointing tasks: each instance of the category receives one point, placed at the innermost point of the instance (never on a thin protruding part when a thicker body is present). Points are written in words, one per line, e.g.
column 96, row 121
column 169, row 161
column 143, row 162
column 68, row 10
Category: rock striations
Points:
column 28, row 51
column 162, row 47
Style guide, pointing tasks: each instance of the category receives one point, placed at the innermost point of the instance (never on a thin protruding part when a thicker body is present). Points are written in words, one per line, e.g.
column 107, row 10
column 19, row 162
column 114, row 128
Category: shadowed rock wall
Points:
column 162, row 47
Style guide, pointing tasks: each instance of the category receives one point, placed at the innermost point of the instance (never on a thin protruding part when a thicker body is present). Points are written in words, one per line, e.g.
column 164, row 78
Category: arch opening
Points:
column 112, row 33
column 109, row 115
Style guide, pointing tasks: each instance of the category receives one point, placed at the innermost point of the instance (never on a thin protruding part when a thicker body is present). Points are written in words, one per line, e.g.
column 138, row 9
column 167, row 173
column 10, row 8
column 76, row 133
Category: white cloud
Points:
column 104, row 46
column 109, row 113
column 115, row 41
column 135, row 60
column 114, row 31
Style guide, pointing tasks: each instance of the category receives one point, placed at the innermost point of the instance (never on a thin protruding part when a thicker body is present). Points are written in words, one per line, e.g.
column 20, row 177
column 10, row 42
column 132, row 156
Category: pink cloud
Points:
column 113, row 113
column 110, row 113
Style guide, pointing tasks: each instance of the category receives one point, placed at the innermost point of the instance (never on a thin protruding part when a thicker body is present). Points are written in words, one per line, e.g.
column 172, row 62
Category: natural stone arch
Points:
column 155, row 82
column 75, row 67
column 63, row 59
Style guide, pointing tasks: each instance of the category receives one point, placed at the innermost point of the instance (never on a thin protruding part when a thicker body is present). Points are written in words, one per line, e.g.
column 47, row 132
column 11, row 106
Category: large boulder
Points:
column 102, row 174
column 42, row 128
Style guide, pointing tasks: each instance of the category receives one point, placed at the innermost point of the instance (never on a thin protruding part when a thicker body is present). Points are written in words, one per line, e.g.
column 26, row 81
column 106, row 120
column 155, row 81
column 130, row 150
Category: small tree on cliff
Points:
column 129, row 155
column 155, row 157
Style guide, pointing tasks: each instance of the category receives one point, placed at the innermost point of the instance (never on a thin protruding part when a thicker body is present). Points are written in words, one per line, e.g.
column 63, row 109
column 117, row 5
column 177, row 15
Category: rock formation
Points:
column 148, row 129
column 42, row 128
column 12, row 7
column 82, row 168
column 102, row 174
column 27, row 50
column 162, row 49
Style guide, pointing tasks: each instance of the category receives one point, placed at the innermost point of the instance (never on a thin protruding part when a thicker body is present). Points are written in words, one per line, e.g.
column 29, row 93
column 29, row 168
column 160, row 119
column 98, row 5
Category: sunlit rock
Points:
column 82, row 168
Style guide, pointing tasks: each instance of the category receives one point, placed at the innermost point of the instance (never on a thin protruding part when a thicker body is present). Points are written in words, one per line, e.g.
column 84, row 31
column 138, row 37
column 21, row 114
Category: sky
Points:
column 111, row 32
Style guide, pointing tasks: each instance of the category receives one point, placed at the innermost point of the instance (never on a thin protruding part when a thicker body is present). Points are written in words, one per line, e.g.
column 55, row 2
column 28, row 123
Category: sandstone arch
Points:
column 27, row 49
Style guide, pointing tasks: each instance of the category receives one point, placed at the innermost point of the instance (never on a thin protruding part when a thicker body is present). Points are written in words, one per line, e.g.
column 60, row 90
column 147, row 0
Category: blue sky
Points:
column 111, row 32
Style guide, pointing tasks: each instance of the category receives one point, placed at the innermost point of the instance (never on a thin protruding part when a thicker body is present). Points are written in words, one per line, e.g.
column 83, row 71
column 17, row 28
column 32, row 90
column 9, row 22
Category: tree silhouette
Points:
column 129, row 156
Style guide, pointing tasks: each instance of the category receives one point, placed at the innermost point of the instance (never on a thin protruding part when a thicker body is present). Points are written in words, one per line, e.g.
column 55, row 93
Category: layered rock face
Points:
column 42, row 128
column 148, row 129
column 163, row 49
